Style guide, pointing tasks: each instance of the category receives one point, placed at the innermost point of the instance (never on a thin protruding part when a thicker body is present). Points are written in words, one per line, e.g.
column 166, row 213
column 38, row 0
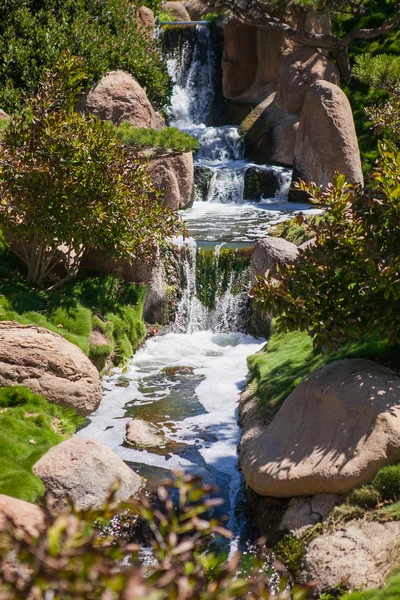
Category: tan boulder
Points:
column 239, row 60
column 268, row 253
column 4, row 116
column 177, row 10
column 143, row 434
column 298, row 72
column 196, row 9
column 326, row 139
column 84, row 471
column 146, row 20
column 361, row 554
column 21, row 514
column 173, row 177
column 332, row 434
column 49, row 365
column 119, row 98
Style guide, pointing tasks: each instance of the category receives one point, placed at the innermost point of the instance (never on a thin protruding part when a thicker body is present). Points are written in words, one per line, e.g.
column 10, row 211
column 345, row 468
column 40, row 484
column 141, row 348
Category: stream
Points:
column 196, row 407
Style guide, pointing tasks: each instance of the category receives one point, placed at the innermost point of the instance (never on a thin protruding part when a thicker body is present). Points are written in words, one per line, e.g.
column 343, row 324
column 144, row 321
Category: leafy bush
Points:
column 75, row 558
column 67, row 181
column 387, row 482
column 29, row 427
column 105, row 34
column 170, row 138
column 346, row 285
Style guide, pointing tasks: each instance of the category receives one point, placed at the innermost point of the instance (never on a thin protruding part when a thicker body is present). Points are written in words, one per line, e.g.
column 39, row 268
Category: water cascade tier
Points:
column 187, row 382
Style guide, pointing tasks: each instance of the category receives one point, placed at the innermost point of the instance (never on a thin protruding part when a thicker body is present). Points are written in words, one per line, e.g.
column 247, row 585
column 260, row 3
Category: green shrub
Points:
column 387, row 482
column 364, row 497
column 105, row 34
column 29, row 427
column 170, row 138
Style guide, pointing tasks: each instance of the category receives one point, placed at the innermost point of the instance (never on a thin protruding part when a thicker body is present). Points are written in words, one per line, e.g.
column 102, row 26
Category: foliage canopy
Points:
column 33, row 36
column 68, row 183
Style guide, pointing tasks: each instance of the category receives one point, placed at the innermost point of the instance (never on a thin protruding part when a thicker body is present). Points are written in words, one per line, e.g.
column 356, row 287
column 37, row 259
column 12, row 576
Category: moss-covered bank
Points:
column 100, row 314
column 29, row 427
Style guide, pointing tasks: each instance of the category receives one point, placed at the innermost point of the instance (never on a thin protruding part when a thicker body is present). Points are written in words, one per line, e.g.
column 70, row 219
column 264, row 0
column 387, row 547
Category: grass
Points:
column 29, row 427
column 170, row 139
column 289, row 357
column 91, row 303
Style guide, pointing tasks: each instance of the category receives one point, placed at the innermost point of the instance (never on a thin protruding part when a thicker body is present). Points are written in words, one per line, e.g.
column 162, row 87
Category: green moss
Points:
column 364, row 497
column 289, row 357
column 390, row 592
column 89, row 302
column 387, row 482
column 291, row 231
column 291, row 551
column 169, row 138
column 29, row 427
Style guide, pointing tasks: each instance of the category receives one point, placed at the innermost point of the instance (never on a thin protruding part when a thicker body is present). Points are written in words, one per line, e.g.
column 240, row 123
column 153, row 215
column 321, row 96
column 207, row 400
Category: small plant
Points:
column 364, row 497
column 76, row 558
column 387, row 482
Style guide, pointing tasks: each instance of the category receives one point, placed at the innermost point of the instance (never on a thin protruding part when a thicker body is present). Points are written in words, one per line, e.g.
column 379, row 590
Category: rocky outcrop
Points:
column 298, row 72
column 332, row 434
column 146, row 20
column 84, row 471
column 143, row 435
column 268, row 253
column 359, row 554
column 119, row 98
column 173, row 178
column 49, row 365
column 177, row 10
column 326, row 139
column 21, row 515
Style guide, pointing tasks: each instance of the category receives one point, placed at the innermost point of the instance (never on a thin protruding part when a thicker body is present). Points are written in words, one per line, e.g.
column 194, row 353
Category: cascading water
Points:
column 187, row 381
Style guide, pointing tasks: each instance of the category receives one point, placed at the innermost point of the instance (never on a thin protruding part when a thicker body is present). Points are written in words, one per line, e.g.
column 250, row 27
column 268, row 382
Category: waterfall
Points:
column 215, row 286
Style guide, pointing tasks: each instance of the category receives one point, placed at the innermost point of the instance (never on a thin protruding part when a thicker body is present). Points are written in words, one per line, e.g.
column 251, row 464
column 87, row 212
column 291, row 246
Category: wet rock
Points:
column 84, row 471
column 144, row 435
column 358, row 555
column 333, row 433
column 123, row 381
column 49, row 365
column 259, row 182
column 202, row 181
column 178, row 370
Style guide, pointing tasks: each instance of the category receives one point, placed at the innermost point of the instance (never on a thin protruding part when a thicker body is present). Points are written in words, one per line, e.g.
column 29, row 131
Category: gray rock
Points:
column 143, row 434
column 359, row 554
column 306, row 511
column 202, row 181
column 261, row 182
column 84, row 471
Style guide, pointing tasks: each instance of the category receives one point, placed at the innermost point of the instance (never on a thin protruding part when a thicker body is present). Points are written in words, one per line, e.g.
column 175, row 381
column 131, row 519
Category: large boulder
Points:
column 177, row 10
column 21, row 515
column 49, row 365
column 358, row 554
column 84, row 471
column 332, row 434
column 119, row 98
column 326, row 139
column 298, row 72
column 173, row 177
column 268, row 253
